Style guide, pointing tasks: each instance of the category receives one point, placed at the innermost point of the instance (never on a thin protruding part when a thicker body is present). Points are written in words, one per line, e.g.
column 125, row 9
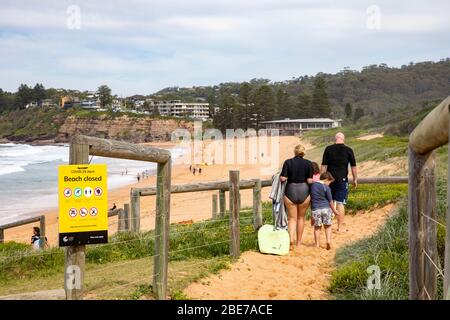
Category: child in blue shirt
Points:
column 322, row 207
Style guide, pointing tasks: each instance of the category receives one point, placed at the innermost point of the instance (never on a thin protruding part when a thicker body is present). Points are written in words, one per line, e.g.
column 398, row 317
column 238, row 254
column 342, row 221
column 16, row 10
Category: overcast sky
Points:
column 138, row 46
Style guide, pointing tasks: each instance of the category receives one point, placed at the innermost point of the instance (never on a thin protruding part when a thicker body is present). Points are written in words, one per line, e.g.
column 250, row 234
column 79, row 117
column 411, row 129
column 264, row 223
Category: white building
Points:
column 295, row 126
column 176, row 108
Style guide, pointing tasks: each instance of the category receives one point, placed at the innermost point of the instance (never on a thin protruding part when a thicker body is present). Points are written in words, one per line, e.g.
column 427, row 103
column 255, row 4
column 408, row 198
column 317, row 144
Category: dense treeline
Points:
column 373, row 92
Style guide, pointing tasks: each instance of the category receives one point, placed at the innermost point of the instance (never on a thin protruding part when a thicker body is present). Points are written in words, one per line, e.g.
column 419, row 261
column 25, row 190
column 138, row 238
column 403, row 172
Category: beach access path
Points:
column 303, row 275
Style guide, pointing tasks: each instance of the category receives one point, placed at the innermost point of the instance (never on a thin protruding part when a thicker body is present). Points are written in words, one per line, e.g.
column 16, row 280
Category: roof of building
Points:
column 302, row 120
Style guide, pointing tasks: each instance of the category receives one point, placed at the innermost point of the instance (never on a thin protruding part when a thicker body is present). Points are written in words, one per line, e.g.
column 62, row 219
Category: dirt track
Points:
column 301, row 275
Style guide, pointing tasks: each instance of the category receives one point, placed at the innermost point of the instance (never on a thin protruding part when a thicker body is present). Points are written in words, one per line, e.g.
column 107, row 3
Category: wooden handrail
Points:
column 123, row 150
column 432, row 132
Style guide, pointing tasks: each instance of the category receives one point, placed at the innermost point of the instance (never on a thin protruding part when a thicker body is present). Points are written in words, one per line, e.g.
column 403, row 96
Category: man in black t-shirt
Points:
column 336, row 159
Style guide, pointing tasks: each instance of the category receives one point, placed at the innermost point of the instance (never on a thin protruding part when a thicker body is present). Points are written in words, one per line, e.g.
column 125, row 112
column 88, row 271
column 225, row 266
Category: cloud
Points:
column 138, row 46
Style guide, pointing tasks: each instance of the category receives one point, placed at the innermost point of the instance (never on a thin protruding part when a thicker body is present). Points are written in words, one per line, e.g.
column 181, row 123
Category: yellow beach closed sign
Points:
column 83, row 204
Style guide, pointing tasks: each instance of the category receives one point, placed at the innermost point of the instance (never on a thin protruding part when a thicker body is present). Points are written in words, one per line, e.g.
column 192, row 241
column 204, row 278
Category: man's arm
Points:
column 324, row 166
column 355, row 176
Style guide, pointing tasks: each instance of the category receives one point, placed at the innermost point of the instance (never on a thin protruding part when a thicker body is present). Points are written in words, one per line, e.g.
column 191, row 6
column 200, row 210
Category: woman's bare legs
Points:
column 292, row 219
column 301, row 214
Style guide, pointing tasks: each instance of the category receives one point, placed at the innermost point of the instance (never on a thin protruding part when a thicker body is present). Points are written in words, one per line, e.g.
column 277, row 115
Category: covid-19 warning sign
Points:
column 83, row 204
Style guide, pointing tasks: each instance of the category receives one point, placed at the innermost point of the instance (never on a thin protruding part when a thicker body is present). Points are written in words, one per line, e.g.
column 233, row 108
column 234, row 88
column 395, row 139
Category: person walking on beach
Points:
column 199, row 170
column 336, row 159
column 138, row 177
column 193, row 171
column 297, row 172
column 322, row 207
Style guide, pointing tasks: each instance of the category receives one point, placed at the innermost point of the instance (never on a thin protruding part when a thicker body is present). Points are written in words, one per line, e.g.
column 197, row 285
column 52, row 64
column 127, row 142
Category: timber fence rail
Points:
column 40, row 219
column 424, row 265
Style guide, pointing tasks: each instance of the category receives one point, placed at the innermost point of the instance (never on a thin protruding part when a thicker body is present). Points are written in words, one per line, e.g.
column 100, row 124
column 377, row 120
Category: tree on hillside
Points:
column 264, row 102
column 104, row 94
column 283, row 106
column 225, row 117
column 359, row 113
column 348, row 110
column 303, row 107
column 39, row 93
column 245, row 105
column 24, row 96
column 320, row 103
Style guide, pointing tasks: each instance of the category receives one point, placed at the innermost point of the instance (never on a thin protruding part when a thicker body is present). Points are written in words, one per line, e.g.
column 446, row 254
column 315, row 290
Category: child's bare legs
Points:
column 317, row 231
column 327, row 235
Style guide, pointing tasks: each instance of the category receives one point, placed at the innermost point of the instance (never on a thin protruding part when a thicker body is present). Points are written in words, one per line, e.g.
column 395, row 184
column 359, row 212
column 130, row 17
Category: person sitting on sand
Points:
column 322, row 207
column 36, row 239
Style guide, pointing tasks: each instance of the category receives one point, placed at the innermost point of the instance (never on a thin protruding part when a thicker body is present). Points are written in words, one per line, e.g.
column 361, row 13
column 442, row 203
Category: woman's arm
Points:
column 333, row 208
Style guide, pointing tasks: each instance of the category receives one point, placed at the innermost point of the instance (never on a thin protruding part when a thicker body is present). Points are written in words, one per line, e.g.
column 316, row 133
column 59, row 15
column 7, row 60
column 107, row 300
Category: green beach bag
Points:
column 273, row 241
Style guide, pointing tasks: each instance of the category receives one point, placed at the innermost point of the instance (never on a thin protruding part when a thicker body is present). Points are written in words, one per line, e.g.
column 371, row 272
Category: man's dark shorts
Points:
column 339, row 191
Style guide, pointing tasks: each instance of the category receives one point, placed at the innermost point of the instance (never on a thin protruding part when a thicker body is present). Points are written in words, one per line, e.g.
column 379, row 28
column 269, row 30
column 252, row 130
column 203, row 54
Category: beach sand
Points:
column 184, row 206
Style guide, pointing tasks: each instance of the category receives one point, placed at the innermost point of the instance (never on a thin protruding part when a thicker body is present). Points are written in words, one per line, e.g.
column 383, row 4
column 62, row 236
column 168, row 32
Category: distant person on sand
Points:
column 138, row 177
column 36, row 239
column 199, row 170
column 190, row 167
column 298, row 173
column 336, row 159
column 322, row 207
column 193, row 171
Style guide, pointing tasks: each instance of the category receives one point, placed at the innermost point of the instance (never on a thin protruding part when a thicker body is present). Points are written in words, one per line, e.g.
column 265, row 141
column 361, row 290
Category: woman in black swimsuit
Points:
column 298, row 173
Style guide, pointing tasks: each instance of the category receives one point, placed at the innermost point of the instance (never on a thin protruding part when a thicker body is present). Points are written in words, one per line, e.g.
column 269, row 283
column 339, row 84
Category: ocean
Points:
column 28, row 177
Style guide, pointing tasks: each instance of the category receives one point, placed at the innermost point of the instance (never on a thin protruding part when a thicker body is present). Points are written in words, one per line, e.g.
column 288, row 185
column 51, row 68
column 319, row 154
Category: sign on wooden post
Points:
column 75, row 255
column 83, row 204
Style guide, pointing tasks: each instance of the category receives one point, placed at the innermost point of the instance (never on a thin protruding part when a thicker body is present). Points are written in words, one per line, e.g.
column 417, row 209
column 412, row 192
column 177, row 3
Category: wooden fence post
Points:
column 222, row 203
column 162, row 223
column 234, row 214
column 42, row 230
column 122, row 220
column 447, row 234
column 257, row 205
column 135, row 200
column 214, row 206
column 422, row 233
column 126, row 209
column 75, row 255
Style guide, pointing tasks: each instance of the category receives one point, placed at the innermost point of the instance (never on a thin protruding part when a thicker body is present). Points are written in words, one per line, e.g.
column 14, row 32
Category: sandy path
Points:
column 302, row 275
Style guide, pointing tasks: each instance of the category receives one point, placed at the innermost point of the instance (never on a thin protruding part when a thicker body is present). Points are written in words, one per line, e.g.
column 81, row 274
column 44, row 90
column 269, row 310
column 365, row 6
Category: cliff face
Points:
column 134, row 130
